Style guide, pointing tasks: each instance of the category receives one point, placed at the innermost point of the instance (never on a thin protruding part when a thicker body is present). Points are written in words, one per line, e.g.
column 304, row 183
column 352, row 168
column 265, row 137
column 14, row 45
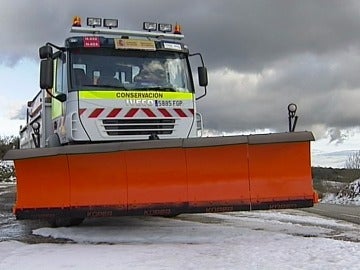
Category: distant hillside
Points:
column 329, row 180
column 337, row 175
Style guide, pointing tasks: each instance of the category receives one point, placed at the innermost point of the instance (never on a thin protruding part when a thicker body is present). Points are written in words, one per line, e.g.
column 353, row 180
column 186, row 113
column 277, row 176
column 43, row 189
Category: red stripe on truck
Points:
column 149, row 112
column 114, row 113
column 180, row 112
column 81, row 111
column 95, row 113
column 131, row 113
column 165, row 112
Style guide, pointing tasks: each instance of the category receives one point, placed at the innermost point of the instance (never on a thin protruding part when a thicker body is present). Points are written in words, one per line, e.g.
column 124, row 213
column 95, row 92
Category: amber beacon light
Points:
column 177, row 29
column 76, row 21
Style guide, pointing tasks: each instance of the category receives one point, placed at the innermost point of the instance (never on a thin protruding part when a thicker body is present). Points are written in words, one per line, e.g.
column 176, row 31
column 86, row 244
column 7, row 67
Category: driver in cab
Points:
column 151, row 74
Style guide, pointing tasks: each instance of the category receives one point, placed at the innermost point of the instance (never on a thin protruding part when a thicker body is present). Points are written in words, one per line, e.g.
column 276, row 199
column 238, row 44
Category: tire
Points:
column 171, row 216
column 53, row 141
column 65, row 222
column 76, row 221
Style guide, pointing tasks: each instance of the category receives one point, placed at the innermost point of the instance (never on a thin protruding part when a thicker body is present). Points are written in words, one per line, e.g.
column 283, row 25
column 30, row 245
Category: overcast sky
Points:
column 261, row 55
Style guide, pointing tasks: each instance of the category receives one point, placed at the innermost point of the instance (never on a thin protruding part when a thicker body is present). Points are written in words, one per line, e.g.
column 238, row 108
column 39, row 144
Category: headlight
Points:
column 111, row 23
column 94, row 22
column 164, row 27
column 150, row 26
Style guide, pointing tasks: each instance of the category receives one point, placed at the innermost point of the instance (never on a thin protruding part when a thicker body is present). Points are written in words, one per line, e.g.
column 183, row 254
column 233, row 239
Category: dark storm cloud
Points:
column 251, row 34
column 324, row 88
column 238, row 34
column 261, row 55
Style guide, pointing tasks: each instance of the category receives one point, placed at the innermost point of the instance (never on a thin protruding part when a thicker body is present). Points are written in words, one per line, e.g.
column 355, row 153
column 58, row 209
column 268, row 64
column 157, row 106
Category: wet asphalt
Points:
column 21, row 230
column 18, row 230
column 349, row 213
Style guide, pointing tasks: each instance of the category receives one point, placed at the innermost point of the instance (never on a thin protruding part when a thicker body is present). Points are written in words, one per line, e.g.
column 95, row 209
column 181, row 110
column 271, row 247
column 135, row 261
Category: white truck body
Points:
column 148, row 91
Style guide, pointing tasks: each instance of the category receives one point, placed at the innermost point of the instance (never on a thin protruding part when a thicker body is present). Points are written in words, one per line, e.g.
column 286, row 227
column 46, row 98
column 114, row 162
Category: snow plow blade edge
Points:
column 165, row 177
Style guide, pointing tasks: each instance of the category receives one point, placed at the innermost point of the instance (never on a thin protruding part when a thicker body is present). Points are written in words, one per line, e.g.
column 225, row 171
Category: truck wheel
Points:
column 171, row 216
column 76, row 221
column 65, row 222
column 53, row 141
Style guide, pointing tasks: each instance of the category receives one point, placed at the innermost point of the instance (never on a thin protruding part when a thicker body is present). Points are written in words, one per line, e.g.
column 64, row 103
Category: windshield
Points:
column 103, row 68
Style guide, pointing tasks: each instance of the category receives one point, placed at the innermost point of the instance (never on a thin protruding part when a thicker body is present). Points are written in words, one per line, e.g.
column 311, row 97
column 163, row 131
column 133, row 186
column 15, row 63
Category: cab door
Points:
column 58, row 108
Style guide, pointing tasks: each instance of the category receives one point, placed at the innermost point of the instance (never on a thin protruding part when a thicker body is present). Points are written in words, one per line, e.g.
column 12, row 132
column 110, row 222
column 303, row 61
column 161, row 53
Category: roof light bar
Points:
column 161, row 30
column 119, row 32
column 111, row 23
column 150, row 26
column 164, row 27
column 93, row 22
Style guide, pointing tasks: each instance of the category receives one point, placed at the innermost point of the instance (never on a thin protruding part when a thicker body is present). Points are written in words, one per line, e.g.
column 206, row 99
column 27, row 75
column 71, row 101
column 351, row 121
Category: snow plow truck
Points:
column 114, row 131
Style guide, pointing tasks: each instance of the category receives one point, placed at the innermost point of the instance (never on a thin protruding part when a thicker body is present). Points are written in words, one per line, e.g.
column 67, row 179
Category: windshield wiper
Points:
column 107, row 86
column 162, row 88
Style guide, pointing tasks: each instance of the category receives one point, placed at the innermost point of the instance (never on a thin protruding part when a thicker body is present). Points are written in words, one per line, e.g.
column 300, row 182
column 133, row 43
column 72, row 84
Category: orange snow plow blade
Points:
column 165, row 177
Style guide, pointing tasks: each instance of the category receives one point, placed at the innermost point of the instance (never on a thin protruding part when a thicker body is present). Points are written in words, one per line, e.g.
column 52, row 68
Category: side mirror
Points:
column 45, row 52
column 203, row 78
column 46, row 74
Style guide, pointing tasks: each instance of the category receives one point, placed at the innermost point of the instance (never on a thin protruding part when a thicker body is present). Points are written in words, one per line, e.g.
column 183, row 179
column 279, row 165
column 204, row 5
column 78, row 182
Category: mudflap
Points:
column 164, row 177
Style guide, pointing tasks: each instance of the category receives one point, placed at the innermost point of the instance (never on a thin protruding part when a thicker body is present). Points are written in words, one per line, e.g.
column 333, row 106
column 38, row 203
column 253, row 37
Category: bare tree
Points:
column 353, row 161
column 6, row 167
column 7, row 143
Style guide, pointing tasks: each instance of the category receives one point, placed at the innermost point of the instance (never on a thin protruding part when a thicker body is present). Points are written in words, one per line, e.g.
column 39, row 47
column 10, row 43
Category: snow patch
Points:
column 349, row 195
column 287, row 239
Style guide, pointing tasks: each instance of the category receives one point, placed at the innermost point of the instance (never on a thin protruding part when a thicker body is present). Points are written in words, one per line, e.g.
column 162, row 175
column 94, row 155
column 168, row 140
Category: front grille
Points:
column 118, row 127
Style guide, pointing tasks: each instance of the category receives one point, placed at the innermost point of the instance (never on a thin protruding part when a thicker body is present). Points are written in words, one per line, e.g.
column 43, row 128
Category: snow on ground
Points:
column 287, row 239
column 350, row 194
column 334, row 184
column 5, row 184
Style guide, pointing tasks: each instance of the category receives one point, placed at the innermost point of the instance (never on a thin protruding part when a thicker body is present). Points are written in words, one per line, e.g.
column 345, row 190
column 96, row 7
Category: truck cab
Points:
column 114, row 85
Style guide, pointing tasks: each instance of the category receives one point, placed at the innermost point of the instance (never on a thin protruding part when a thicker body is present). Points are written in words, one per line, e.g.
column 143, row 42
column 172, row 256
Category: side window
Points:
column 64, row 79
column 59, row 79
column 176, row 73
column 59, row 76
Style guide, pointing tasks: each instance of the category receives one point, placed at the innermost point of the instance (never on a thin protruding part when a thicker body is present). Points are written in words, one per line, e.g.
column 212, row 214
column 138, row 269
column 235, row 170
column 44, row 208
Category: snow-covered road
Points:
column 286, row 239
